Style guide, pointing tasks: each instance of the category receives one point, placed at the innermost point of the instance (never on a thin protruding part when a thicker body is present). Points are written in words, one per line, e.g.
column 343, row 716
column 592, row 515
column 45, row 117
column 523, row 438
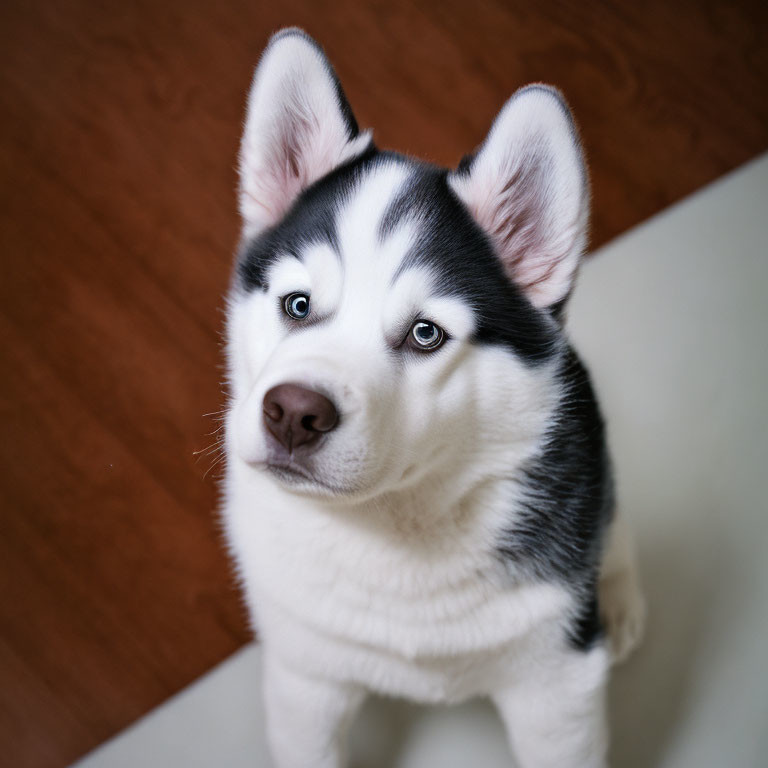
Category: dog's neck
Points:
column 441, row 505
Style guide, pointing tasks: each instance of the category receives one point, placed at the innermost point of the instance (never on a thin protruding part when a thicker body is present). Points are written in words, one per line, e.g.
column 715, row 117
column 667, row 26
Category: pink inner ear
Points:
column 299, row 148
column 292, row 166
column 516, row 225
column 534, row 233
column 295, row 132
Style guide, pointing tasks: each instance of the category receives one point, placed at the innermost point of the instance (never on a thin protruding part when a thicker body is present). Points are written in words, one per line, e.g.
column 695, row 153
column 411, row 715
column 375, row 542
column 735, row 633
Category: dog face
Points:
column 390, row 321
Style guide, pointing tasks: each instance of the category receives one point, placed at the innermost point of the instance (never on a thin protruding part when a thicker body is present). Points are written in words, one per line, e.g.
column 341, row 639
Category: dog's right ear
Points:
column 527, row 187
column 299, row 127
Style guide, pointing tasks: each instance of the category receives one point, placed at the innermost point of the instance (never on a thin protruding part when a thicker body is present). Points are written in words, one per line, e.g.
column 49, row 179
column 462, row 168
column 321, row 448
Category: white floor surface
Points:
column 672, row 319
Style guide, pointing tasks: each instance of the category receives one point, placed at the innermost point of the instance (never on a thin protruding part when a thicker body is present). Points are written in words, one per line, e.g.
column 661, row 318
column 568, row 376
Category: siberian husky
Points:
column 418, row 494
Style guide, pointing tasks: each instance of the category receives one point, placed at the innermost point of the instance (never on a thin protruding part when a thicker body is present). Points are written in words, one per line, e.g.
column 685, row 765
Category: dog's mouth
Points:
column 290, row 472
column 299, row 478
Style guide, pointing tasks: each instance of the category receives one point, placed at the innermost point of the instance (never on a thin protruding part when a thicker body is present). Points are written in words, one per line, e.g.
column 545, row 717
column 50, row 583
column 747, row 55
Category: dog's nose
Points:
column 298, row 416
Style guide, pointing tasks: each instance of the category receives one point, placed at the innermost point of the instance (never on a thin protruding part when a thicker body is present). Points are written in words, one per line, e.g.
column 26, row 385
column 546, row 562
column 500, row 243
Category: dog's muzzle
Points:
column 298, row 417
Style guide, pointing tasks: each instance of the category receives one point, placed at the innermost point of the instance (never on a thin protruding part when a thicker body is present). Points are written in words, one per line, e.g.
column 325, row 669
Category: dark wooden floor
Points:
column 118, row 137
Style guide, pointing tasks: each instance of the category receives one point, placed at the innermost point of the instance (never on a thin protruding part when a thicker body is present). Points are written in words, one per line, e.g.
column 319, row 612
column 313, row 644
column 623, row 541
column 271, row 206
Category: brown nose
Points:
column 298, row 416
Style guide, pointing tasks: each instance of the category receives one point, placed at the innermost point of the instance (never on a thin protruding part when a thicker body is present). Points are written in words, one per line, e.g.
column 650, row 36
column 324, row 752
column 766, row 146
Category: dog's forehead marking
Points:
column 370, row 269
column 358, row 222
column 369, row 262
column 383, row 216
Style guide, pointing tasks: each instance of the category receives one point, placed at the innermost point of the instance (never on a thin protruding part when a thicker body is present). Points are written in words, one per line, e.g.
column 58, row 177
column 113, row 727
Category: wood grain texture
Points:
column 118, row 139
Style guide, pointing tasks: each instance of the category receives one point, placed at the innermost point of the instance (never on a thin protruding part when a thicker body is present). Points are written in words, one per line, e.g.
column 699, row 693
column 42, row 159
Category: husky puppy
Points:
column 418, row 494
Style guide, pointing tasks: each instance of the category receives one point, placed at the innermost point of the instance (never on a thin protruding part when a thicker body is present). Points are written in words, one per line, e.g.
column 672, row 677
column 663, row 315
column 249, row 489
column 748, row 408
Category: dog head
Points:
column 390, row 320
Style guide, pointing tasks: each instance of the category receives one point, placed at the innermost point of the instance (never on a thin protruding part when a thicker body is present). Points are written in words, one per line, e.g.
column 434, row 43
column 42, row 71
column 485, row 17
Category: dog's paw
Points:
column 623, row 611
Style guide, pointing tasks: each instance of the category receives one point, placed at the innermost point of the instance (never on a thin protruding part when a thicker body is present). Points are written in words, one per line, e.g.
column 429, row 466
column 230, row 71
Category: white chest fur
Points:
column 423, row 610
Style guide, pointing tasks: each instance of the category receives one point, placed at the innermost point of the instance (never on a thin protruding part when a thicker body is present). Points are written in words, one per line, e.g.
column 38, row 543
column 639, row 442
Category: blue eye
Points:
column 296, row 305
column 425, row 335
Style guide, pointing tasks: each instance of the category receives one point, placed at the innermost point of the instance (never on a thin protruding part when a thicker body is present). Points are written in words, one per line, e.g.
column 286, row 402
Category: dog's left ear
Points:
column 299, row 127
column 527, row 187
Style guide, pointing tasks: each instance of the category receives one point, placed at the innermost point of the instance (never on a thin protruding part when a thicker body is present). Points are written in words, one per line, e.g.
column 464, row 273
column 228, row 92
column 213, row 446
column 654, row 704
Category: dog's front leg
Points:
column 307, row 718
column 555, row 717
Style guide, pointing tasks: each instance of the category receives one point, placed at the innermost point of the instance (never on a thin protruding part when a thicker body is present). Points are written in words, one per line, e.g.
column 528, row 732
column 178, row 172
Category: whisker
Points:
column 217, row 445
column 214, row 464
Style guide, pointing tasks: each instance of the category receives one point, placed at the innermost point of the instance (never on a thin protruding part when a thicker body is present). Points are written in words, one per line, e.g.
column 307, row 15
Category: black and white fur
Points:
column 455, row 533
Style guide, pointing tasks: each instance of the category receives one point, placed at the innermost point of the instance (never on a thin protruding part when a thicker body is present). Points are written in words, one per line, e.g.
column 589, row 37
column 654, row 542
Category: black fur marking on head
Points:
column 311, row 219
column 465, row 164
column 557, row 310
column 452, row 245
